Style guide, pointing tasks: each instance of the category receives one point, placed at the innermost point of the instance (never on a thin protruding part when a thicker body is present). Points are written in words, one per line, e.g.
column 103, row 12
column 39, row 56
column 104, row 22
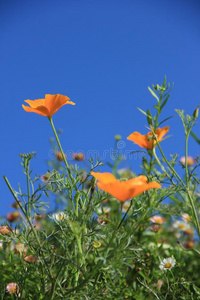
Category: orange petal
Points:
column 41, row 110
column 104, row 177
column 36, row 103
column 119, row 190
column 137, row 190
column 141, row 140
column 138, row 180
column 160, row 132
column 54, row 102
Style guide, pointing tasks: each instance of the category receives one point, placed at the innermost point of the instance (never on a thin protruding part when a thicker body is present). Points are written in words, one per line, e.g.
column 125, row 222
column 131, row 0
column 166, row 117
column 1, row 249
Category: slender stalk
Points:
column 194, row 212
column 170, row 167
column 58, row 141
column 28, row 192
column 186, row 155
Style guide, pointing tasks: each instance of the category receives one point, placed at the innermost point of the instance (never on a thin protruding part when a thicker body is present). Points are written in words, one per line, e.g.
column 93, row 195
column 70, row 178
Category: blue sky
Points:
column 103, row 55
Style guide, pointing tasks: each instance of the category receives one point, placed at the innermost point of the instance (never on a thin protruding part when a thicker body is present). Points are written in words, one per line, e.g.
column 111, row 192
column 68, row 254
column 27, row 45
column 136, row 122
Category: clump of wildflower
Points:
column 167, row 263
column 5, row 230
column 59, row 156
column 13, row 288
column 190, row 160
column 78, row 156
column 13, row 216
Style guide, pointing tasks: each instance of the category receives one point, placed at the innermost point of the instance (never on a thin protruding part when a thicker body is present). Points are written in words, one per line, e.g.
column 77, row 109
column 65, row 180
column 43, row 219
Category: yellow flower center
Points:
column 181, row 226
column 168, row 265
column 12, row 289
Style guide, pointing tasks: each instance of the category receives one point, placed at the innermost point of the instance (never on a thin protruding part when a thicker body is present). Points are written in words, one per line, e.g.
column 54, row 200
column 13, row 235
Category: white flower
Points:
column 103, row 210
column 186, row 218
column 60, row 216
column 126, row 206
column 167, row 263
column 181, row 225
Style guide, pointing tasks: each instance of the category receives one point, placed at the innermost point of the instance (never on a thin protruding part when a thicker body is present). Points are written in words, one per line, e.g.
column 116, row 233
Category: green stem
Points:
column 170, row 167
column 186, row 155
column 58, row 141
column 194, row 212
column 28, row 192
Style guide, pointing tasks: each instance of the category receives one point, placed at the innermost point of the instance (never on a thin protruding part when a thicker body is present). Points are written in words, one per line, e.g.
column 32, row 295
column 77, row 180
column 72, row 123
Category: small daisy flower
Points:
column 181, row 225
column 60, row 216
column 157, row 219
column 167, row 263
column 103, row 210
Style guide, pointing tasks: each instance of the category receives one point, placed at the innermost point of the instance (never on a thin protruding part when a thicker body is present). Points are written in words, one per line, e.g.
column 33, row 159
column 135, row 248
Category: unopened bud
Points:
column 196, row 112
column 118, row 137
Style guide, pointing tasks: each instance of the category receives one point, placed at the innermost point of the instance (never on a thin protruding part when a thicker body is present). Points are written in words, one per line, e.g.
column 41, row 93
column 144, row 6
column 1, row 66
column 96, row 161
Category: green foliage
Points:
column 90, row 245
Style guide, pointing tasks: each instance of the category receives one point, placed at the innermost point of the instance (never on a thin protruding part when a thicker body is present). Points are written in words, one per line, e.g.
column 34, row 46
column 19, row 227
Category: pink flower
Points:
column 13, row 288
column 190, row 160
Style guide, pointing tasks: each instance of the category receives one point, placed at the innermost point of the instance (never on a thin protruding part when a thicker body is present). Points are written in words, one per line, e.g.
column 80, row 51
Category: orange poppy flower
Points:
column 48, row 106
column 123, row 190
column 146, row 140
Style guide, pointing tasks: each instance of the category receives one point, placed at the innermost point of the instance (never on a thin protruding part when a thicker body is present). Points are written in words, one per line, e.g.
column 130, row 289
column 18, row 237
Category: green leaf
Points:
column 166, row 120
column 195, row 137
column 165, row 101
column 142, row 111
column 149, row 117
column 153, row 94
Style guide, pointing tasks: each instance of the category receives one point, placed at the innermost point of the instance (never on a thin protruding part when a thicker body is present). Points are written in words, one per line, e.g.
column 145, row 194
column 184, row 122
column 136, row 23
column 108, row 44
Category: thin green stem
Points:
column 170, row 167
column 28, row 191
column 195, row 216
column 58, row 142
column 186, row 155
